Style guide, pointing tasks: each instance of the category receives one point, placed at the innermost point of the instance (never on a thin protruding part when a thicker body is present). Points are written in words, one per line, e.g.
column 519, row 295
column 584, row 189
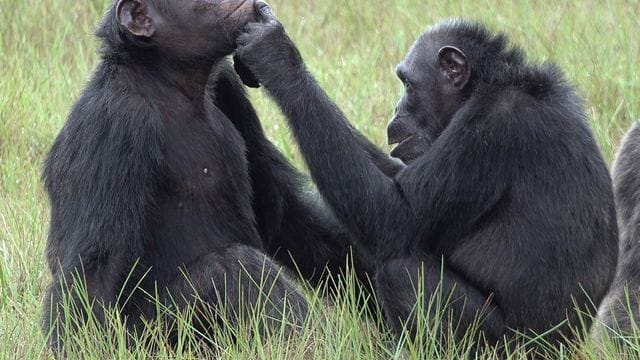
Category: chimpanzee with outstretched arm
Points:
column 504, row 201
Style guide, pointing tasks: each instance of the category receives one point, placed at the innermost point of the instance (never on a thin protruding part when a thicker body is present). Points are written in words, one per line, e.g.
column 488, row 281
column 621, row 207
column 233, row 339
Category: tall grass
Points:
column 47, row 52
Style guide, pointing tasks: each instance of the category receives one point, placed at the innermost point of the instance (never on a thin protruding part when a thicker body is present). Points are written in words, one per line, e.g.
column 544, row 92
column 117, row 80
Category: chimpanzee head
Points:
column 440, row 74
column 189, row 29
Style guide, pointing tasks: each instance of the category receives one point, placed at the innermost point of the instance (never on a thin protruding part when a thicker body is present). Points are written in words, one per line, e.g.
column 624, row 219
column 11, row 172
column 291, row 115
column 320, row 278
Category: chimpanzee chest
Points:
column 205, row 156
column 204, row 201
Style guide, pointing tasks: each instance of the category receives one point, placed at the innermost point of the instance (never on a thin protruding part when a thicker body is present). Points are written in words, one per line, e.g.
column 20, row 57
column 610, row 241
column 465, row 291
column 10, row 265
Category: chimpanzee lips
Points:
column 397, row 139
column 399, row 142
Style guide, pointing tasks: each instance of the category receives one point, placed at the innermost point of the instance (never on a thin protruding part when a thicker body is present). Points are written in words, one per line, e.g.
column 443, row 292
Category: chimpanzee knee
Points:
column 236, row 283
column 396, row 285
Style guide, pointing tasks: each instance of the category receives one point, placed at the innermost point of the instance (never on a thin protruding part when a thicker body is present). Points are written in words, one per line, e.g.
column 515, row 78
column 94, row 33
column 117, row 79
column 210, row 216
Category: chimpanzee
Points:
column 162, row 182
column 620, row 310
column 505, row 200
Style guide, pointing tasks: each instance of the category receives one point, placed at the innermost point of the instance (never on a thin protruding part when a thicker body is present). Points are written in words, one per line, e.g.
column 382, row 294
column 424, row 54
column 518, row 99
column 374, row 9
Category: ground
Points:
column 47, row 52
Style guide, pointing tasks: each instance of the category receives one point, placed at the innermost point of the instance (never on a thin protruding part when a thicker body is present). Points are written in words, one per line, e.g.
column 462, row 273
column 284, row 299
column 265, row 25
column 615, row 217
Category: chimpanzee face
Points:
column 434, row 77
column 187, row 28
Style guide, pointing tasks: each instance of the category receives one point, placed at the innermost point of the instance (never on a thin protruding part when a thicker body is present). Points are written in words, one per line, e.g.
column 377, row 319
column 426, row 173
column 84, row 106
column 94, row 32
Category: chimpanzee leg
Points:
column 235, row 283
column 460, row 307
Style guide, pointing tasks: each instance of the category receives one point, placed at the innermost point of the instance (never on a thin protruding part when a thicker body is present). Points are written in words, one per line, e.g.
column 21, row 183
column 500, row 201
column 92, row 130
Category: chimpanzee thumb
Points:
column 245, row 74
column 264, row 11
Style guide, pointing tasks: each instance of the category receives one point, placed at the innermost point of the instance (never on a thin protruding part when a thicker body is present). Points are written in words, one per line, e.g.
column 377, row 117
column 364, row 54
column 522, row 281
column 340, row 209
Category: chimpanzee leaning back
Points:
column 503, row 180
column 162, row 176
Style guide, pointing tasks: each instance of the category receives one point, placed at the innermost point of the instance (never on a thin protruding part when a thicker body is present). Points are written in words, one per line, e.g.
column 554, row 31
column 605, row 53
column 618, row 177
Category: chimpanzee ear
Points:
column 454, row 65
column 134, row 16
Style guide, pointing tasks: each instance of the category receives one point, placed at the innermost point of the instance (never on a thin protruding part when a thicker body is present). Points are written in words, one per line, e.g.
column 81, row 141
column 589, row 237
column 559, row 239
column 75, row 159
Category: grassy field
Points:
column 47, row 52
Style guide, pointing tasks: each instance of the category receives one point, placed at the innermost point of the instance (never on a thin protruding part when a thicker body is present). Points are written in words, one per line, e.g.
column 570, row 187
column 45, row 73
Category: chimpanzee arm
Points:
column 386, row 164
column 101, row 176
column 389, row 166
column 361, row 195
column 378, row 208
column 296, row 226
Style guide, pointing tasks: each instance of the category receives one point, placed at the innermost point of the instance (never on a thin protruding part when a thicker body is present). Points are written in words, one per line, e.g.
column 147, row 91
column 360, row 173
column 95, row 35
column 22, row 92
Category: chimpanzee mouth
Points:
column 399, row 140
column 399, row 143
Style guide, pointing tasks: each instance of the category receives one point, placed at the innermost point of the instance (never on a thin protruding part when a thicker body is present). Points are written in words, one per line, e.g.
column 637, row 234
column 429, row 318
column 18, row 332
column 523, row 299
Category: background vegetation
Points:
column 47, row 52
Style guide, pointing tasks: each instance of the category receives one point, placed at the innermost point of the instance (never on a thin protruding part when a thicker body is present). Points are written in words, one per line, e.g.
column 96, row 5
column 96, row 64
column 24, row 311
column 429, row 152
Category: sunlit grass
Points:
column 47, row 52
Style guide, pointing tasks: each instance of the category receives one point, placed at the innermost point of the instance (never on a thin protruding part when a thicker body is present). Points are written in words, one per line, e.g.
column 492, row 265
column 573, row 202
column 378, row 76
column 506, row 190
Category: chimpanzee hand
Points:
column 245, row 74
column 264, row 51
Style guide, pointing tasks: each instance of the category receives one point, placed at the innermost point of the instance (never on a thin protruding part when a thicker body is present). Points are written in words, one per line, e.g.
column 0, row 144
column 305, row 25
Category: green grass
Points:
column 47, row 52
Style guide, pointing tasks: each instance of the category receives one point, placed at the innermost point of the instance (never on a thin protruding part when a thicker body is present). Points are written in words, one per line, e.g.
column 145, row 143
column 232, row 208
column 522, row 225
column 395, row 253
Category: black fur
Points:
column 178, row 187
column 620, row 312
column 504, row 181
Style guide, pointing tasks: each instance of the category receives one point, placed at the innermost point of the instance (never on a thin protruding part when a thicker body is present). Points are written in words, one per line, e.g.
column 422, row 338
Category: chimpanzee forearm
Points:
column 296, row 227
column 233, row 93
column 380, row 159
column 359, row 191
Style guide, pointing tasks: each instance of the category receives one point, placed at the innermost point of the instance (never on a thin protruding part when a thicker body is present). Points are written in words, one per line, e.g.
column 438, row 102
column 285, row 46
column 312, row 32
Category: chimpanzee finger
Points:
column 245, row 74
column 249, row 32
column 264, row 11
column 243, row 39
